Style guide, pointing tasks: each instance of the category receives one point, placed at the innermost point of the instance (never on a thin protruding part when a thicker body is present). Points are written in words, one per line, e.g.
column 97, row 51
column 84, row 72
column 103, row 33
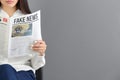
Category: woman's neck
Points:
column 10, row 11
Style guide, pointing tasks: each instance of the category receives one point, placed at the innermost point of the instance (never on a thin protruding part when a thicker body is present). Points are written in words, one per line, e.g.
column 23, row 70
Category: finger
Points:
column 41, row 42
column 39, row 46
column 40, row 50
column 37, row 41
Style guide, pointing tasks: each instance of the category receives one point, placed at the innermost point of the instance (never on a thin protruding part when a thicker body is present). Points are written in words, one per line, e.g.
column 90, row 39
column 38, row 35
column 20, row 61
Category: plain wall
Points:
column 83, row 38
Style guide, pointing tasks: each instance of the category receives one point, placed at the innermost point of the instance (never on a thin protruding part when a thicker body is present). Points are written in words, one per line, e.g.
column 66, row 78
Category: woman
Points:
column 22, row 68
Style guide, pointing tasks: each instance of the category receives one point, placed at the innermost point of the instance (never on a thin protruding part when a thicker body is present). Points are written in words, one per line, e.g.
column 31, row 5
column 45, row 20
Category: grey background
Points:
column 83, row 38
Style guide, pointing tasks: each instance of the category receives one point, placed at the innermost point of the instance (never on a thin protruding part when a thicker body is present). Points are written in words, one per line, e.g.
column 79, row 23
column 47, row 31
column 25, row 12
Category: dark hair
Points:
column 23, row 6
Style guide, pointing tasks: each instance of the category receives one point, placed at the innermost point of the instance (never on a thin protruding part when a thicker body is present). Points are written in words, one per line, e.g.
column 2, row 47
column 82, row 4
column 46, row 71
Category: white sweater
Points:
column 28, row 62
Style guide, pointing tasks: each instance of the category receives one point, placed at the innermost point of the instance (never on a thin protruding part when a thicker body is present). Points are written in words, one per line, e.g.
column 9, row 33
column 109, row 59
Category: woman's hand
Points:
column 40, row 47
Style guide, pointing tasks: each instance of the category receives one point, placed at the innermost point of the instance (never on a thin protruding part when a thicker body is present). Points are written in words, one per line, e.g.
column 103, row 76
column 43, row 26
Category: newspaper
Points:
column 17, row 34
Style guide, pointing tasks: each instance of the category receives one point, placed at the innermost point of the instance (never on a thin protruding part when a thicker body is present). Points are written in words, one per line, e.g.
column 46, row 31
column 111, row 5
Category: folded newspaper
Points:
column 18, row 33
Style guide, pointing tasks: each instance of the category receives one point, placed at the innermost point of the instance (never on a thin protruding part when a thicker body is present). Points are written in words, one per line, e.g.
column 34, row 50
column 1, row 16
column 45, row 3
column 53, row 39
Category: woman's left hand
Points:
column 40, row 47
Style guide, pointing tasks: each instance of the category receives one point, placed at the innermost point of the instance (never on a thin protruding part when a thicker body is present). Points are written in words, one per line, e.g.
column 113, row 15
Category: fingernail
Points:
column 35, row 41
